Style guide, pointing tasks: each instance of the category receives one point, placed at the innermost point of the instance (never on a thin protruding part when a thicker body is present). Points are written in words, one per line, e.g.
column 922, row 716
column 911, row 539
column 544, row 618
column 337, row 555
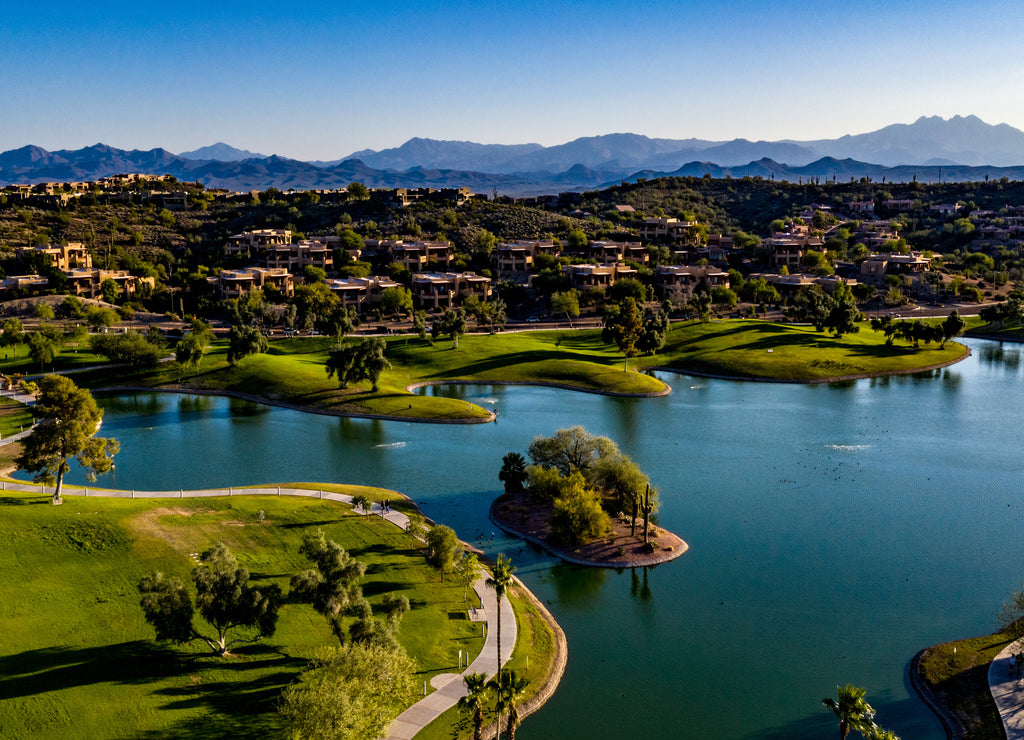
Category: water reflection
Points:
column 996, row 355
column 578, row 586
column 200, row 404
column 639, row 585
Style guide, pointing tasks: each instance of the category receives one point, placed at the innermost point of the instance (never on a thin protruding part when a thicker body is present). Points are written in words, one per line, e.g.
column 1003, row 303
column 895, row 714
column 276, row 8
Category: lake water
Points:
column 834, row 530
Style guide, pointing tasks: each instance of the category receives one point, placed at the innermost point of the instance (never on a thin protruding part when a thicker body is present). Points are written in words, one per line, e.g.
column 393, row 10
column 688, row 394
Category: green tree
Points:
column 358, row 191
column 843, row 315
column 567, row 302
column 110, row 290
column 501, row 581
column 467, row 570
column 43, row 347
column 396, row 301
column 453, row 323
column 351, row 693
column 571, row 450
column 131, row 350
column 99, row 317
column 513, row 472
column 244, row 341
column 577, row 240
column 473, row 702
column 508, row 688
column 224, row 598
column 953, row 326
column 442, row 547
column 852, row 710
column 68, row 422
column 333, row 586
column 14, row 334
column 190, row 350
column 652, row 338
column 43, row 311
column 353, row 363
column 577, row 517
column 623, row 326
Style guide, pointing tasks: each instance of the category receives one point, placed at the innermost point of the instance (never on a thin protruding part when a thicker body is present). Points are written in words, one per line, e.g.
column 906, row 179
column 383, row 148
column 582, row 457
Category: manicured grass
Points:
column 78, row 660
column 292, row 371
column 533, row 659
column 16, row 359
column 958, row 673
column 759, row 349
column 14, row 417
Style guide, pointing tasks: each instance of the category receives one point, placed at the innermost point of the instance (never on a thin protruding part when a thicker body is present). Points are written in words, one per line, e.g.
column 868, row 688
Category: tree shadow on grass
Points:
column 18, row 501
column 55, row 668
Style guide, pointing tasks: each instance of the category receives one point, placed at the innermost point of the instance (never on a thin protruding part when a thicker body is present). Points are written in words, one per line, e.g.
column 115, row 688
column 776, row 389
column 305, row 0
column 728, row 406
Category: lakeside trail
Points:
column 1007, row 687
column 449, row 687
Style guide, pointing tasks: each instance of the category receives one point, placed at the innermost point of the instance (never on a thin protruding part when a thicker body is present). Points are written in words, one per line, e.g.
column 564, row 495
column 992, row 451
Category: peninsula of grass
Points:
column 761, row 350
column 14, row 417
column 954, row 677
column 292, row 372
column 78, row 660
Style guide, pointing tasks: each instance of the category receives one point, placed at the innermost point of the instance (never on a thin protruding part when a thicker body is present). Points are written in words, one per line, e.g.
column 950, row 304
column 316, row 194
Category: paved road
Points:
column 1007, row 688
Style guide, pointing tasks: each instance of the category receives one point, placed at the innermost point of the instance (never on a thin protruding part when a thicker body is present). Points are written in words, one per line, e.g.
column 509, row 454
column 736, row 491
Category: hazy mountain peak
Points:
column 222, row 153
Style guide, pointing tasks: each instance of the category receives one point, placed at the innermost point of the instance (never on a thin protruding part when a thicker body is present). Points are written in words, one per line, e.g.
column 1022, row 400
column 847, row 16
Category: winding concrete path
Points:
column 449, row 687
column 1007, row 688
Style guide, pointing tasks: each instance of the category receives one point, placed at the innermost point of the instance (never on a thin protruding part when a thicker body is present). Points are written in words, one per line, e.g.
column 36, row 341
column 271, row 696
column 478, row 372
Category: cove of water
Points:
column 834, row 530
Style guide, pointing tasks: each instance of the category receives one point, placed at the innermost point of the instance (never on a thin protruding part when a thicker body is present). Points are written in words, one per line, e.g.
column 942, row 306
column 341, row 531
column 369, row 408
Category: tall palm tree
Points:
column 500, row 581
column 473, row 702
column 508, row 688
column 852, row 710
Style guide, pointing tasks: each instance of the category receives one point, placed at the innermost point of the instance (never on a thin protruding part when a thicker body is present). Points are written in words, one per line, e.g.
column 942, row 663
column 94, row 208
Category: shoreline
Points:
column 671, row 546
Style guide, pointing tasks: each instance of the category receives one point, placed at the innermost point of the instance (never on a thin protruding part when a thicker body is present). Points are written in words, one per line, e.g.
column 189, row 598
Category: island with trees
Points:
column 585, row 501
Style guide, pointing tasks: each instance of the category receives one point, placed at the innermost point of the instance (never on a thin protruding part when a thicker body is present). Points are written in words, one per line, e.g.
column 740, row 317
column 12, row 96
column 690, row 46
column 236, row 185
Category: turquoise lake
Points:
column 834, row 530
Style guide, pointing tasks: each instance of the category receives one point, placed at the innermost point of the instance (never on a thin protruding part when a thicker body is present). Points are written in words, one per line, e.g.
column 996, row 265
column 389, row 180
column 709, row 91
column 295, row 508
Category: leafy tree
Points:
column 467, row 570
column 508, row 689
column 333, row 587
column 723, row 296
column 419, row 324
column 72, row 307
column 68, row 421
column 363, row 502
column 571, row 450
column 953, row 326
column 43, row 346
column 484, row 243
column 351, row 693
column 132, row 349
column 815, row 305
column 453, row 323
column 577, row 516
column 14, row 334
column 852, row 710
column 313, row 274
column 358, row 191
column 621, row 477
column 620, row 290
column 224, row 598
column 577, row 240
column 843, row 315
column 442, row 547
column 110, row 290
column 652, row 338
column 190, row 350
column 501, row 581
column 353, row 363
column 244, row 341
column 513, row 472
column 473, row 702
column 99, row 317
column 43, row 311
column 623, row 326
column 396, row 301
column 567, row 302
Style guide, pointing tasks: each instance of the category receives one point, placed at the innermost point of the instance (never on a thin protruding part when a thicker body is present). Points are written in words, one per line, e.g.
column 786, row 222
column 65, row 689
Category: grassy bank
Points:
column 78, row 659
column 292, row 371
column 957, row 673
column 14, row 417
column 759, row 349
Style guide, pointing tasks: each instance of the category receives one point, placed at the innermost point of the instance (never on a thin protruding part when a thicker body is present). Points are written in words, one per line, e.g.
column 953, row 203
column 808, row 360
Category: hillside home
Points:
column 235, row 283
column 250, row 242
column 440, row 289
column 62, row 256
column 361, row 293
column 87, row 282
column 680, row 280
column 588, row 277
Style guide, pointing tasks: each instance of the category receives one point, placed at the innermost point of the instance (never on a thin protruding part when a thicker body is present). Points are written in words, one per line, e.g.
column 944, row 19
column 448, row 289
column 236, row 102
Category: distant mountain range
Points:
column 960, row 148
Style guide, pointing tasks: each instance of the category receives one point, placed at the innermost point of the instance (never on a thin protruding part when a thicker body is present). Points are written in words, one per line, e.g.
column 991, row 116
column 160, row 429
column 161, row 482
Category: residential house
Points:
column 588, row 277
column 62, row 256
column 877, row 266
column 670, row 229
column 440, row 289
column 235, row 283
column 250, row 242
column 88, row 281
column 417, row 255
column 514, row 259
column 296, row 257
column 361, row 293
column 680, row 280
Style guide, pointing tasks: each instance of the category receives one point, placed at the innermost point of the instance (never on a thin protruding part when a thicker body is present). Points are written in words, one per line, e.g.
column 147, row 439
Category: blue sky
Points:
column 319, row 80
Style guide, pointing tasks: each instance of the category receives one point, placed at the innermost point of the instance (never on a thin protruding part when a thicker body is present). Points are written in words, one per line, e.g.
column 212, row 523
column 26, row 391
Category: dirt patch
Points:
column 521, row 515
column 148, row 524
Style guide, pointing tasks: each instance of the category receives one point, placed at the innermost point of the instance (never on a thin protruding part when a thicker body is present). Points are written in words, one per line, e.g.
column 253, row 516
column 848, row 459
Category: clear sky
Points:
column 319, row 80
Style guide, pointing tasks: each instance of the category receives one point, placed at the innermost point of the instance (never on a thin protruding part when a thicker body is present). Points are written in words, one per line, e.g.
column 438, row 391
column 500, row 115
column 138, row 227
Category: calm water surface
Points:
column 834, row 530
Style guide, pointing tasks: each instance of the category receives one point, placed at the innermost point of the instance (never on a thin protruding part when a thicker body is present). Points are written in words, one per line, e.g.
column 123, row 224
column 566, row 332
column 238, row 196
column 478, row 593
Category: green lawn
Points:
column 78, row 660
column 292, row 371
column 760, row 349
column 958, row 673
column 14, row 417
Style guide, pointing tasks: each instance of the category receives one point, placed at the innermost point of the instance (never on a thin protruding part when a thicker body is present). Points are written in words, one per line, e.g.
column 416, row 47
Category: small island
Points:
column 562, row 502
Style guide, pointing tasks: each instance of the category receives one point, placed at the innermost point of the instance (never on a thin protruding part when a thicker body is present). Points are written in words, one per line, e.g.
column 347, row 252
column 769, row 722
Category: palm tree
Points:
column 852, row 710
column 473, row 702
column 513, row 472
column 500, row 581
column 880, row 734
column 508, row 688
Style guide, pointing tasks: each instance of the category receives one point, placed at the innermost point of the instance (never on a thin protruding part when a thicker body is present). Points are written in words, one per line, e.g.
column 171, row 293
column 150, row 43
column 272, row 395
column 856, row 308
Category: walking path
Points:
column 449, row 686
column 1007, row 687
